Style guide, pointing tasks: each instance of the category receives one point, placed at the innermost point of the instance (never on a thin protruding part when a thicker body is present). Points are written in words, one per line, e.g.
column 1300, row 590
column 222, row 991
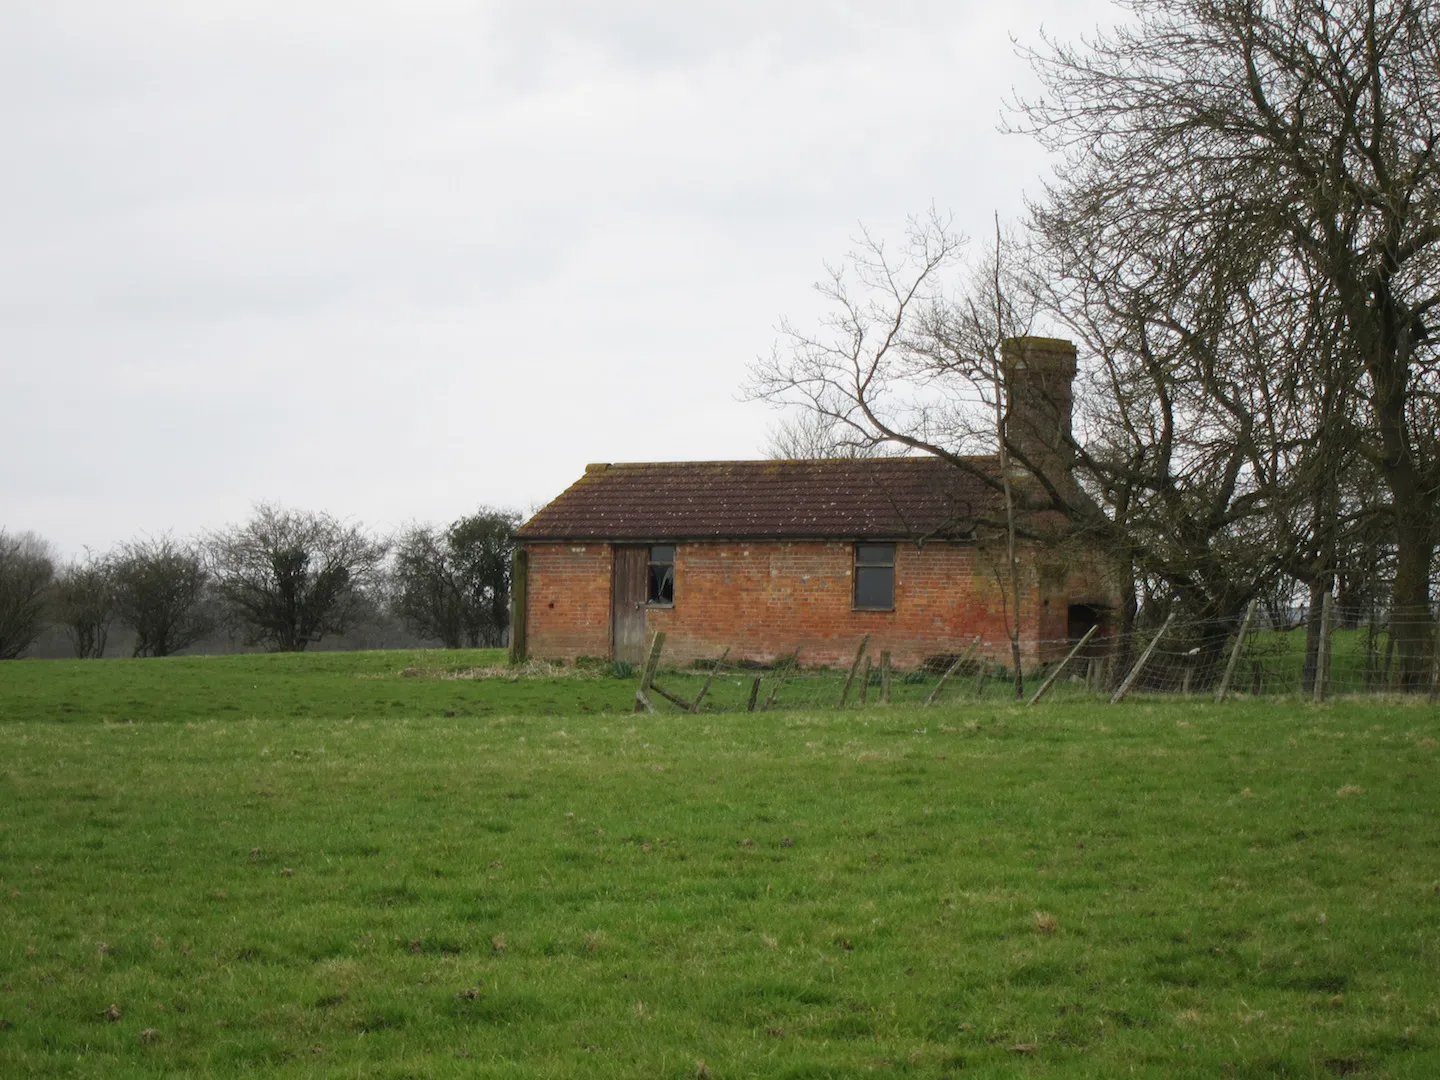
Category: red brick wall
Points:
column 567, row 610
column 766, row 598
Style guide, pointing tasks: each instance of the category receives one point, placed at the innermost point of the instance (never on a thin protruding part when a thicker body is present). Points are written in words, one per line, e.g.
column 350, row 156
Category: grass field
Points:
column 352, row 864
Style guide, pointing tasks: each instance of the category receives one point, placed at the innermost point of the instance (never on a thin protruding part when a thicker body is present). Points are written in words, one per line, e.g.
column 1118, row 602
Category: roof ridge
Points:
column 883, row 459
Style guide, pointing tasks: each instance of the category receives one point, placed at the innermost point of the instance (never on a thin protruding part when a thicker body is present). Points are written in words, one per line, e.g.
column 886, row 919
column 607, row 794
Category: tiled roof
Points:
column 892, row 498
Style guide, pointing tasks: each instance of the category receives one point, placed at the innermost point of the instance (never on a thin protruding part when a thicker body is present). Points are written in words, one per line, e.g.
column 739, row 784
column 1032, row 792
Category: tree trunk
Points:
column 1124, row 646
column 1413, row 503
column 1313, row 611
column 1410, row 596
column 1214, row 646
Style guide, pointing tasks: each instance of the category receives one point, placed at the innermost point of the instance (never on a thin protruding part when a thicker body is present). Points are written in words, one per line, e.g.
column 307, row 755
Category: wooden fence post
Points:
column 672, row 697
column 695, row 708
column 859, row 655
column 1224, row 687
column 1050, row 679
column 981, row 679
column 754, row 692
column 865, row 681
column 780, row 679
column 642, row 695
column 1188, row 675
column 884, row 678
column 1322, row 647
column 955, row 666
column 1125, row 686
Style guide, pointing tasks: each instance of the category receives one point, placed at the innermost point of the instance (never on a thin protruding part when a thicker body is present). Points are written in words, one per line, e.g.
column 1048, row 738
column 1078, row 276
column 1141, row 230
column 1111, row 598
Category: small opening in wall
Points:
column 661, row 574
column 1079, row 619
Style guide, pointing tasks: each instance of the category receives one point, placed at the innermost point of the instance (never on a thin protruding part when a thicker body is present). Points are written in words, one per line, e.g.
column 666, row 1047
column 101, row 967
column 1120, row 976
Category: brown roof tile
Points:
column 893, row 498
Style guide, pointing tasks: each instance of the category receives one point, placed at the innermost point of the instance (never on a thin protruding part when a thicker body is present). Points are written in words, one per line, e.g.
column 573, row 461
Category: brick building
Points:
column 767, row 557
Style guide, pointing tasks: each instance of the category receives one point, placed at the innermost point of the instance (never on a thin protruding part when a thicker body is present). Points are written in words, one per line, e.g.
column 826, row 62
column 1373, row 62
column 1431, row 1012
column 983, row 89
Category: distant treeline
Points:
column 284, row 581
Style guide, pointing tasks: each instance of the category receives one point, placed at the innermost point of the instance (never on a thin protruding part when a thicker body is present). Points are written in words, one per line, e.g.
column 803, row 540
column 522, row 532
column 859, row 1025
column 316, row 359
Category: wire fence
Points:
column 1332, row 652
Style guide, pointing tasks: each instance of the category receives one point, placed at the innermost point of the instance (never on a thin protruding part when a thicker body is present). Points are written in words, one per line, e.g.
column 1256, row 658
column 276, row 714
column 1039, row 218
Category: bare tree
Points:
column 85, row 604
column 27, row 566
column 906, row 361
column 454, row 584
column 970, row 339
column 807, row 435
column 1188, row 436
column 868, row 375
column 159, row 593
column 1196, row 431
column 1300, row 135
column 289, row 577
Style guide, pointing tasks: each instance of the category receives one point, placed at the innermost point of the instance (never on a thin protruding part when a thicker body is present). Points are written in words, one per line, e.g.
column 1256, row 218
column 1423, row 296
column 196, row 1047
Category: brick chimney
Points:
column 1039, row 398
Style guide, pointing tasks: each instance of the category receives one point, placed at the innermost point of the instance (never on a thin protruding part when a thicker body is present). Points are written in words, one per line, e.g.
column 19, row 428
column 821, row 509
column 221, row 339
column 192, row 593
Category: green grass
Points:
column 317, row 864
column 407, row 683
column 1274, row 661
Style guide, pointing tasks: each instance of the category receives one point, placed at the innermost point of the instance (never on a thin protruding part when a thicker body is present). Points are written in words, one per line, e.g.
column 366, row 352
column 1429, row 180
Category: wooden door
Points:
column 628, row 596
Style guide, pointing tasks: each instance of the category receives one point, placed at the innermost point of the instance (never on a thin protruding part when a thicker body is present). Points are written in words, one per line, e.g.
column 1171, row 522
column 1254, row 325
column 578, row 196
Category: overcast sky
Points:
column 396, row 260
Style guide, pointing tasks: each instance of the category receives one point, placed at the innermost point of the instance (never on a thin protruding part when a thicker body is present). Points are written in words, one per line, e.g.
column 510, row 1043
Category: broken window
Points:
column 875, row 577
column 662, row 574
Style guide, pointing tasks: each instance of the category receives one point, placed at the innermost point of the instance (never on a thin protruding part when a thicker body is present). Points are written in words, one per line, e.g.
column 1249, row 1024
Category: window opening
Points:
column 875, row 577
column 662, row 574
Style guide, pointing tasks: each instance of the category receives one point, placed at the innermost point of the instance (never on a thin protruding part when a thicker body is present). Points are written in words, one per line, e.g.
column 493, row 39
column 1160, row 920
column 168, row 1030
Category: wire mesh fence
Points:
column 1332, row 652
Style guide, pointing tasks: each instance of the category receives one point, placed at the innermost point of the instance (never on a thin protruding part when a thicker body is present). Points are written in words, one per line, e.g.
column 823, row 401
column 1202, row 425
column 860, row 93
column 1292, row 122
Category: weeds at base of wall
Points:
column 529, row 669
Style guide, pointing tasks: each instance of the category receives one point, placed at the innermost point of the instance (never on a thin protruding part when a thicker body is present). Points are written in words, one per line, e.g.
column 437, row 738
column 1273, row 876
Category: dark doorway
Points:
column 1079, row 619
column 628, row 595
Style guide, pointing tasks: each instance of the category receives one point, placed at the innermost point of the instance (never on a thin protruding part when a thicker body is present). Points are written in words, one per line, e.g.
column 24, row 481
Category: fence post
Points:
column 859, row 655
column 1125, row 686
column 754, row 692
column 673, row 698
column 884, row 678
column 865, row 682
column 1188, row 674
column 695, row 708
column 1045, row 686
column 1224, row 687
column 954, row 667
column 1322, row 649
column 780, row 679
column 642, row 697
column 981, row 679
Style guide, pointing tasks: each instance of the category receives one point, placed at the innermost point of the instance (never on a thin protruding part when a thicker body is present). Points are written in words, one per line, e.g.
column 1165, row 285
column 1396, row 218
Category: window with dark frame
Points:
column 662, row 574
column 875, row 577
